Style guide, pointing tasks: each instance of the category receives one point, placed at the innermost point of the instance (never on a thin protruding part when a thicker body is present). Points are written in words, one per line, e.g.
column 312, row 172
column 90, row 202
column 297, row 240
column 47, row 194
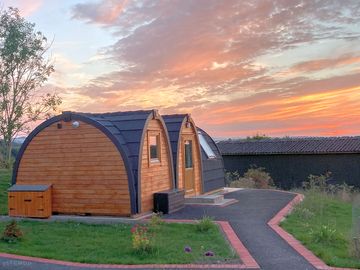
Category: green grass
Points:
column 330, row 243
column 5, row 176
column 79, row 242
column 112, row 243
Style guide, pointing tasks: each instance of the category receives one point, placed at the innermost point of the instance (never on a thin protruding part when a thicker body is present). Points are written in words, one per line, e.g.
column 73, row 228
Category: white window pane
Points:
column 206, row 147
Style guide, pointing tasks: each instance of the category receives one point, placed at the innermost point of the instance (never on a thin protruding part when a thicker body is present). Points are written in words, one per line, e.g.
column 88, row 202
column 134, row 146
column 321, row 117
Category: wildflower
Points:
column 133, row 229
column 187, row 249
column 209, row 253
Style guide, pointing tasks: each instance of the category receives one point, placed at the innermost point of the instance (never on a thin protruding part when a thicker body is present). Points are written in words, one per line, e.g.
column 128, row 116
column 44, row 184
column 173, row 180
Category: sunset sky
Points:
column 239, row 67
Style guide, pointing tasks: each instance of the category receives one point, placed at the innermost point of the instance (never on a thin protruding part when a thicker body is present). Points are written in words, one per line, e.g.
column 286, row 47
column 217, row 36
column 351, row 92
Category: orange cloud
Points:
column 185, row 56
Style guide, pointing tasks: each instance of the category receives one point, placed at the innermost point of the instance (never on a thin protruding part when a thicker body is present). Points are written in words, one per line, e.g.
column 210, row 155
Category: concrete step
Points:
column 205, row 199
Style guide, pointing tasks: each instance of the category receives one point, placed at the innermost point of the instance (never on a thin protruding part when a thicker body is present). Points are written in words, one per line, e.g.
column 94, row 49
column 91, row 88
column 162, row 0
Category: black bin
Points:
column 169, row 201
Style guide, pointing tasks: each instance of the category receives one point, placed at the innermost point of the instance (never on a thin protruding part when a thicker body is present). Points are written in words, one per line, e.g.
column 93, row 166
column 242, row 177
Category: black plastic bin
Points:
column 169, row 201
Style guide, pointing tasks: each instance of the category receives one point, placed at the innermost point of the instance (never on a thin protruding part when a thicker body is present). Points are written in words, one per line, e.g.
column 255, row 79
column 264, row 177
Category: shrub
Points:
column 261, row 178
column 326, row 234
column 243, row 183
column 345, row 192
column 141, row 239
column 317, row 182
column 231, row 177
column 205, row 224
column 12, row 232
column 303, row 212
column 155, row 221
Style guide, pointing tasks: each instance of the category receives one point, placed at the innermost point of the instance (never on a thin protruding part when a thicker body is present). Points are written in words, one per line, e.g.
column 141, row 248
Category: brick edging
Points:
column 293, row 242
column 248, row 262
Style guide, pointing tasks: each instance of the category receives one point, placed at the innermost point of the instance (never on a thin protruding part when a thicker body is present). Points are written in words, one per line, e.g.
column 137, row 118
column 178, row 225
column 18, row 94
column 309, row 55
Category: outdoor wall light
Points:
column 75, row 124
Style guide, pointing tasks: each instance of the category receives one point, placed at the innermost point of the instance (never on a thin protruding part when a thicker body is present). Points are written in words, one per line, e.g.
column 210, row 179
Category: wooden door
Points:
column 188, row 165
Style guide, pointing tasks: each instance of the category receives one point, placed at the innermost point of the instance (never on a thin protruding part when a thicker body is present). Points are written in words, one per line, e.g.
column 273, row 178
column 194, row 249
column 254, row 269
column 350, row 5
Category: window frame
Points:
column 210, row 154
column 157, row 134
column 192, row 154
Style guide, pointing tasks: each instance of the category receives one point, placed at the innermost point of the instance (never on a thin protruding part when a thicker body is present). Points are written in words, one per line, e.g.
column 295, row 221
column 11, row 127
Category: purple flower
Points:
column 187, row 249
column 209, row 253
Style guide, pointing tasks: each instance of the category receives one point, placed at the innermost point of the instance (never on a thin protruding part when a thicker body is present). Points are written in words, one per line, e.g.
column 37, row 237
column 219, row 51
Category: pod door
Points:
column 189, row 173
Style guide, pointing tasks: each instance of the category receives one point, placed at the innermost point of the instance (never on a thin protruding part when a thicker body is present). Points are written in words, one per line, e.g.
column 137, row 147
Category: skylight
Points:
column 206, row 147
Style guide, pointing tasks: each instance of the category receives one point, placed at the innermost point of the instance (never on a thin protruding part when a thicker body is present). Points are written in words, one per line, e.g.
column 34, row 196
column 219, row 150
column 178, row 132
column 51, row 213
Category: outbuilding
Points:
column 98, row 164
column 290, row 161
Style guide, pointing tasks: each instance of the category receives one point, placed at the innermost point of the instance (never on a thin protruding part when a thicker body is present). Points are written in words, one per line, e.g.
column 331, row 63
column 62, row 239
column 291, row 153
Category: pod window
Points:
column 206, row 147
column 154, row 147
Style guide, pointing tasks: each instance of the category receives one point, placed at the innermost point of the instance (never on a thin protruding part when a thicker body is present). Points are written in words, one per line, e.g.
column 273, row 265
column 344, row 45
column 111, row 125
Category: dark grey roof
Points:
column 173, row 124
column 127, row 127
column 212, row 168
column 306, row 145
column 29, row 187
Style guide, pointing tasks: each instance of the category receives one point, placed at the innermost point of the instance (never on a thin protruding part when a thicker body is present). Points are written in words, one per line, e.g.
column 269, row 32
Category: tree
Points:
column 257, row 137
column 23, row 70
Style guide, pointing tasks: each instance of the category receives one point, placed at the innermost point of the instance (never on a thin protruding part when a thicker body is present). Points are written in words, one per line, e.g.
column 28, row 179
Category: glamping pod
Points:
column 186, row 153
column 213, row 172
column 97, row 164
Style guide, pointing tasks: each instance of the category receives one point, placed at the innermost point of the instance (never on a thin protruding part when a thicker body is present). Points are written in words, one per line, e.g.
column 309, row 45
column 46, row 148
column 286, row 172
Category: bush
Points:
column 317, row 182
column 142, row 239
column 231, row 177
column 326, row 234
column 12, row 233
column 242, row 183
column 155, row 221
column 303, row 212
column 261, row 178
column 205, row 224
column 254, row 177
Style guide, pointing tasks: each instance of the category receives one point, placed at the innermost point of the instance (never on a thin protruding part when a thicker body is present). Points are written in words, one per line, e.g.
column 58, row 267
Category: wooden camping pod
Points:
column 98, row 164
column 186, row 153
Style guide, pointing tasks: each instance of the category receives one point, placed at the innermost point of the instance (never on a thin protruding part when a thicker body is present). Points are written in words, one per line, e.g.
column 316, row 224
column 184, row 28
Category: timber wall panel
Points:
column 155, row 176
column 85, row 168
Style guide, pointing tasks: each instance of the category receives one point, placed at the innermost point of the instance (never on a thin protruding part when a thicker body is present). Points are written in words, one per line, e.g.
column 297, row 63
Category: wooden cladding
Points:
column 155, row 176
column 36, row 204
column 83, row 165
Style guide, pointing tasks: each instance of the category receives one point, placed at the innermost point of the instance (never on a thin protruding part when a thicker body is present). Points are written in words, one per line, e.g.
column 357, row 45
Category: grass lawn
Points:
column 112, row 243
column 323, row 223
column 4, row 185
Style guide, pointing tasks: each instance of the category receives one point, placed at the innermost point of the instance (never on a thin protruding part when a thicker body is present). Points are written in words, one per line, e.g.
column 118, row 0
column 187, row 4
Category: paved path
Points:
column 248, row 218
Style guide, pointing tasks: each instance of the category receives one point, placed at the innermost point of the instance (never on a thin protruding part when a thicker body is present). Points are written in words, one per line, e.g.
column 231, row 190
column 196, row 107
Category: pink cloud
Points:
column 200, row 57
column 26, row 7
column 104, row 12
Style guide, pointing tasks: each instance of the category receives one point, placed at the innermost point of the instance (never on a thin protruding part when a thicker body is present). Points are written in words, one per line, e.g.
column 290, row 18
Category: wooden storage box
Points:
column 30, row 201
column 169, row 201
